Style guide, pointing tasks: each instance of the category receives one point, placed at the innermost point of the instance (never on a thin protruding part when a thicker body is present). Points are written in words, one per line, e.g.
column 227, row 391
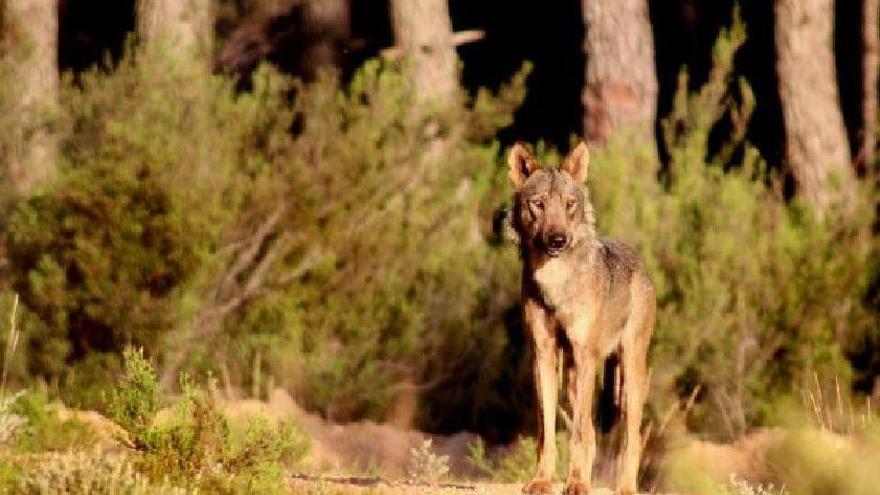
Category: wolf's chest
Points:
column 553, row 279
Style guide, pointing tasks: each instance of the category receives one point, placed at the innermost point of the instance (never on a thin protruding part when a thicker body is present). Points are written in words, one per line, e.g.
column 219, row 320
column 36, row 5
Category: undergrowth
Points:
column 194, row 444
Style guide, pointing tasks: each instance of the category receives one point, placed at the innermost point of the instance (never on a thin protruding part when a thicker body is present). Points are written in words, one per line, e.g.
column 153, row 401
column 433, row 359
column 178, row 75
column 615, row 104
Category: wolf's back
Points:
column 620, row 261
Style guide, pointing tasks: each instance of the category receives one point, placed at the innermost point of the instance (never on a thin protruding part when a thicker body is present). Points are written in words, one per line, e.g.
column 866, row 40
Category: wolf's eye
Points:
column 538, row 204
column 571, row 204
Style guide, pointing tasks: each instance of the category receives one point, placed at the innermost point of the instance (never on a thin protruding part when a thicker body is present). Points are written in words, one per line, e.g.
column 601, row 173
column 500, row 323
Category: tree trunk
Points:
column 328, row 26
column 30, row 39
column 620, row 88
column 816, row 145
column 423, row 30
column 182, row 28
column 870, row 67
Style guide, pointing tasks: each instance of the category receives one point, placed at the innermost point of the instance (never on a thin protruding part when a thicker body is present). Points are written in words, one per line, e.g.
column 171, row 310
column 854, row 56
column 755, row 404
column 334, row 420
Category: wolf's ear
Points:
column 521, row 164
column 577, row 162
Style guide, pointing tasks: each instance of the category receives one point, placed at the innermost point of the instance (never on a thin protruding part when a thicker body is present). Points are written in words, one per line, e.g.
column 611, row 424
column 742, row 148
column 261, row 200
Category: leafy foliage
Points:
column 188, row 213
column 425, row 465
column 195, row 444
column 44, row 429
column 89, row 473
column 398, row 281
column 10, row 422
column 134, row 403
column 102, row 253
column 515, row 462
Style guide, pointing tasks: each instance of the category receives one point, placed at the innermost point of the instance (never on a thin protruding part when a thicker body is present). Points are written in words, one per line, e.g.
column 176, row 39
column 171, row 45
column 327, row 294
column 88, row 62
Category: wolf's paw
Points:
column 538, row 487
column 576, row 487
column 625, row 491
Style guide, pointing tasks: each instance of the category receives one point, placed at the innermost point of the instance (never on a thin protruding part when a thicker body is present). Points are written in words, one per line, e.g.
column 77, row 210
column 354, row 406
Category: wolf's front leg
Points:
column 635, row 385
column 582, row 454
column 543, row 332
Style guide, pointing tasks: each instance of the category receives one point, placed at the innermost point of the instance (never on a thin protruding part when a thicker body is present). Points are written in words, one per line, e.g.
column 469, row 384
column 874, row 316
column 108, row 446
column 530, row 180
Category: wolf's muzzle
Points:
column 556, row 243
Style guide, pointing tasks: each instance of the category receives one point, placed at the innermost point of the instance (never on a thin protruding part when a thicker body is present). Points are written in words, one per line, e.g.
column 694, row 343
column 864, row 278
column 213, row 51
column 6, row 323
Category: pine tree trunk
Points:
column 328, row 24
column 620, row 88
column 817, row 151
column 30, row 39
column 870, row 67
column 182, row 28
column 423, row 30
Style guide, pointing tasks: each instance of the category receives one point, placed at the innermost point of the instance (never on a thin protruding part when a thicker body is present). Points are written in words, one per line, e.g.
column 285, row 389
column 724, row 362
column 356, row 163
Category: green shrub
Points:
column 134, row 403
column 425, row 465
column 11, row 423
column 89, row 473
column 397, row 275
column 195, row 444
column 152, row 237
column 100, row 254
column 798, row 459
column 517, row 461
column 44, row 429
column 803, row 464
column 10, row 475
column 101, row 251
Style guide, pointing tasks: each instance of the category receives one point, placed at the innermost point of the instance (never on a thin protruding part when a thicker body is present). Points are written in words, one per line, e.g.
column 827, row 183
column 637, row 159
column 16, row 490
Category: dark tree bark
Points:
column 328, row 25
column 182, row 28
column 253, row 38
column 30, row 41
column 319, row 35
column 816, row 148
column 620, row 90
column 423, row 30
column 870, row 67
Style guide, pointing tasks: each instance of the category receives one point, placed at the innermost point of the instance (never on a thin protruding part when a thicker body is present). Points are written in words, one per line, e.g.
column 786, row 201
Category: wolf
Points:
column 583, row 298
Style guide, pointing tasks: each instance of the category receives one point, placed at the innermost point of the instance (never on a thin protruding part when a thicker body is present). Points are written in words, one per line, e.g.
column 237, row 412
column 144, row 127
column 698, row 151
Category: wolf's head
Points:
column 551, row 208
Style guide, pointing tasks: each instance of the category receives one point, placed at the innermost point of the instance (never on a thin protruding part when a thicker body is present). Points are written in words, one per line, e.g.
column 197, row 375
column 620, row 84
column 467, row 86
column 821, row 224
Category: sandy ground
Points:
column 378, row 486
column 369, row 447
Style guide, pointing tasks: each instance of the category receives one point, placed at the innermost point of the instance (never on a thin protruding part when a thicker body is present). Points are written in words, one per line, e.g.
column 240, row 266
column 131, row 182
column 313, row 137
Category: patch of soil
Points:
column 378, row 486
column 365, row 446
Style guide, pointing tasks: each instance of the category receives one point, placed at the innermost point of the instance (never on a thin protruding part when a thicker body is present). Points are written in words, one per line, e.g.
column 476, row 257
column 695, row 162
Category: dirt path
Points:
column 304, row 484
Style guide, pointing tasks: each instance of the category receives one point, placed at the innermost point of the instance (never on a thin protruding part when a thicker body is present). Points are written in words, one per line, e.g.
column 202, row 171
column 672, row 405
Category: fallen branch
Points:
column 458, row 38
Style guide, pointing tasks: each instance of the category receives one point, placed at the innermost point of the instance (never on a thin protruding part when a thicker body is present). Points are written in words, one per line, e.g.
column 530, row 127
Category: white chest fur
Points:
column 558, row 281
column 552, row 279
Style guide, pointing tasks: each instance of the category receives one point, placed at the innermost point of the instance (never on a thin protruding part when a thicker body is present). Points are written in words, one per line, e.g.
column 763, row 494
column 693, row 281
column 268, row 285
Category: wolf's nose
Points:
column 557, row 241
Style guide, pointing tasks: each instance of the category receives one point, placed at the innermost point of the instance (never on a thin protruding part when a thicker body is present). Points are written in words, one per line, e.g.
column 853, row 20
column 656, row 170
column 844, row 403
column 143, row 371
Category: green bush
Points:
column 89, row 473
column 516, row 462
column 195, row 444
column 389, row 253
column 10, row 475
column 800, row 458
column 371, row 270
column 402, row 278
column 102, row 251
column 103, row 254
column 44, row 429
column 134, row 403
